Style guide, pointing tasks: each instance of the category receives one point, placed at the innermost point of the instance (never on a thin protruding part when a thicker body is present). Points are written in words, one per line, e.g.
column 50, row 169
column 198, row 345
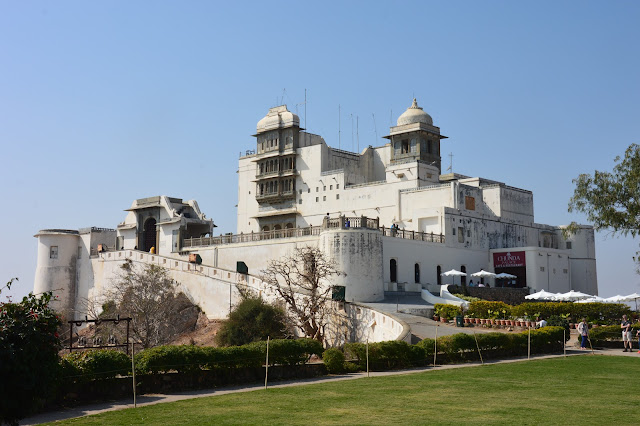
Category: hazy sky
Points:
column 105, row 102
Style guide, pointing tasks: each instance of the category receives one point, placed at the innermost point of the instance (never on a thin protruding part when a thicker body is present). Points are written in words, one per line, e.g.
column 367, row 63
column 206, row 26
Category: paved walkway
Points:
column 151, row 399
column 422, row 327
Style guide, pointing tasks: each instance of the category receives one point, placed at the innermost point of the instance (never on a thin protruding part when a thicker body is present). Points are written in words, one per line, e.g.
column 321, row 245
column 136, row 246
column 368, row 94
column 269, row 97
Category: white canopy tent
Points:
column 542, row 295
column 632, row 297
column 572, row 296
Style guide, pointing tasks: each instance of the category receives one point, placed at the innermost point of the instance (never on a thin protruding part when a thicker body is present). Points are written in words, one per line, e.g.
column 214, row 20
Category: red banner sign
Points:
column 508, row 259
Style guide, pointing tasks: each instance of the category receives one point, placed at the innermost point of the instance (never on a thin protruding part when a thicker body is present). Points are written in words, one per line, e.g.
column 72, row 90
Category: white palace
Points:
column 387, row 215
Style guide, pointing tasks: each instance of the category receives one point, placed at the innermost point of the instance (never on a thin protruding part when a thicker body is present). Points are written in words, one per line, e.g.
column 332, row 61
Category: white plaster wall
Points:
column 57, row 275
column 256, row 254
column 205, row 286
column 358, row 253
column 428, row 255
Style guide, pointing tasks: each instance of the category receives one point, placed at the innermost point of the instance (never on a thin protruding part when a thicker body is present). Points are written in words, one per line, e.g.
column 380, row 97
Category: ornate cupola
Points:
column 415, row 138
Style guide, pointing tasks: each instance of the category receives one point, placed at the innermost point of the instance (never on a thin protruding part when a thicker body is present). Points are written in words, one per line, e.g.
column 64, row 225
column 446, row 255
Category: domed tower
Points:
column 277, row 140
column 415, row 138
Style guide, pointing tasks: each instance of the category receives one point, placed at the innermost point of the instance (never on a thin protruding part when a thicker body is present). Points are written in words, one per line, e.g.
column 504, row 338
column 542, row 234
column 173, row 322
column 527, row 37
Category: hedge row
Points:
column 607, row 312
column 446, row 311
column 95, row 364
column 454, row 348
column 604, row 336
column 188, row 358
column 104, row 363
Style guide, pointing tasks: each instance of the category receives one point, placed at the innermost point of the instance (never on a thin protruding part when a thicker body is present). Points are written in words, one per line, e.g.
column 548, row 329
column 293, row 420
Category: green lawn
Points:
column 575, row 390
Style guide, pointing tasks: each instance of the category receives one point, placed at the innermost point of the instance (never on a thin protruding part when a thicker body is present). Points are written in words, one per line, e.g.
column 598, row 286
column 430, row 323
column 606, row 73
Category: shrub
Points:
column 289, row 352
column 333, row 359
column 446, row 310
column 467, row 298
column 481, row 309
column 383, row 355
column 189, row 358
column 96, row 364
column 29, row 344
column 252, row 320
column 606, row 312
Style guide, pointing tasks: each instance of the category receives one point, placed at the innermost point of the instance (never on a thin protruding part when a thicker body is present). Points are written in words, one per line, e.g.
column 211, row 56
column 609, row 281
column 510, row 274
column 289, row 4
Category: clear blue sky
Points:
column 105, row 102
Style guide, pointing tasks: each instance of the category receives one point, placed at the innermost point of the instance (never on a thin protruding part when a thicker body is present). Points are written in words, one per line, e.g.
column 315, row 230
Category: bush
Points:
column 95, row 364
column 447, row 311
column 481, row 309
column 467, row 298
column 333, row 359
column 189, row 358
column 606, row 312
column 29, row 344
column 383, row 355
column 252, row 320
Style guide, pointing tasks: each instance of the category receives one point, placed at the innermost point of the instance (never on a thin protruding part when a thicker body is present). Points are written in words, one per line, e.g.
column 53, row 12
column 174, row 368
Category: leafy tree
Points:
column 252, row 320
column 302, row 281
column 611, row 200
column 148, row 295
column 29, row 345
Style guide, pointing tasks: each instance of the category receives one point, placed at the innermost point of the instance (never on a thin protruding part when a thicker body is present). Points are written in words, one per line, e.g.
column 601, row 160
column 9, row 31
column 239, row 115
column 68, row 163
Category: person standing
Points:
column 583, row 329
column 626, row 334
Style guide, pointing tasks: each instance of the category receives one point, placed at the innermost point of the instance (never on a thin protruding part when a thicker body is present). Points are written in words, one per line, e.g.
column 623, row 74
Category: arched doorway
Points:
column 463, row 279
column 439, row 274
column 416, row 273
column 150, row 234
column 393, row 271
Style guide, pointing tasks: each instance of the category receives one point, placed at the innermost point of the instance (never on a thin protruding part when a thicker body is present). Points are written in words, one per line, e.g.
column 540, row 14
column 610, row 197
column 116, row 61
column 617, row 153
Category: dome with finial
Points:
column 278, row 117
column 414, row 114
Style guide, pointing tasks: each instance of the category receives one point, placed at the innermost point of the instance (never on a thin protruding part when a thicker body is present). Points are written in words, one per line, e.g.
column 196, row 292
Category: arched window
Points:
column 463, row 279
column 439, row 276
column 393, row 271
column 416, row 273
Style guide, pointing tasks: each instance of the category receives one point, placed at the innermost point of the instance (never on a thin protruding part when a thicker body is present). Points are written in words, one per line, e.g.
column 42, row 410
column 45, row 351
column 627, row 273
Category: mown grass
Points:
column 574, row 390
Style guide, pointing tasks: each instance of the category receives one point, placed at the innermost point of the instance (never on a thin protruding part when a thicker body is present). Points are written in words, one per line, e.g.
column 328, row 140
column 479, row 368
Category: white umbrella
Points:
column 483, row 274
column 593, row 299
column 454, row 273
column 614, row 299
column 541, row 295
column 573, row 295
column 504, row 275
column 634, row 296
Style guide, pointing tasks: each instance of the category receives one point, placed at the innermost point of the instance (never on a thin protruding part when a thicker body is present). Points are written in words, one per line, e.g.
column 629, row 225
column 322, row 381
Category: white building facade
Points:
column 386, row 215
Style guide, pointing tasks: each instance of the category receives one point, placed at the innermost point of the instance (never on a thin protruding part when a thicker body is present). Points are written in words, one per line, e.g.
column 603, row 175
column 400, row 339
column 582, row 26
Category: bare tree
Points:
column 148, row 295
column 302, row 281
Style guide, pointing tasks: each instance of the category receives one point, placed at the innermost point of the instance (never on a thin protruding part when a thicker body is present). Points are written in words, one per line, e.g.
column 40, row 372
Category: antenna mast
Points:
column 450, row 162
column 358, row 132
column 351, row 132
column 305, row 109
column 375, row 128
column 339, row 131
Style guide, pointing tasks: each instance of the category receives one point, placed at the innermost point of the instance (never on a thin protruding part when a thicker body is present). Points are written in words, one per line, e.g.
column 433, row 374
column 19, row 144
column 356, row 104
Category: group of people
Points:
column 479, row 284
column 625, row 325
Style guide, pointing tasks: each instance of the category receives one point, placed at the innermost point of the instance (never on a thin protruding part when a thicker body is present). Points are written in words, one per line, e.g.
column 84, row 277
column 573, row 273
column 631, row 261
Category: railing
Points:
column 345, row 222
column 429, row 237
column 342, row 222
column 332, row 172
column 359, row 185
column 251, row 237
